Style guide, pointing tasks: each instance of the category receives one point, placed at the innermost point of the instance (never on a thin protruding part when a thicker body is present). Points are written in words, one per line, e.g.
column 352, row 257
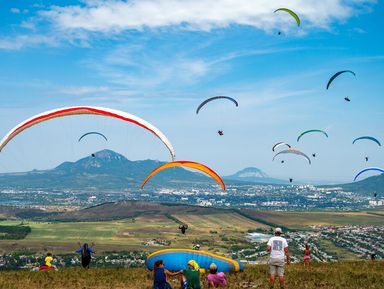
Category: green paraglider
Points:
column 293, row 14
column 311, row 131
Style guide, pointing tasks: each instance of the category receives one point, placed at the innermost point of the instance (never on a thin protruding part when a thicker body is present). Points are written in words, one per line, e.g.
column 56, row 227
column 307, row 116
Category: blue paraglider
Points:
column 177, row 259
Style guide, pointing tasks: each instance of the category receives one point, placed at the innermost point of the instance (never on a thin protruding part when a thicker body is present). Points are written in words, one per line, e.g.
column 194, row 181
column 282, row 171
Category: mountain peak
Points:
column 109, row 155
column 251, row 172
column 254, row 175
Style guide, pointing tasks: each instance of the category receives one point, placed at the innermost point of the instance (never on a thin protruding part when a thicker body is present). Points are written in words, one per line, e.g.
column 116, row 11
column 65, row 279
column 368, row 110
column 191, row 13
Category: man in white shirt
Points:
column 278, row 248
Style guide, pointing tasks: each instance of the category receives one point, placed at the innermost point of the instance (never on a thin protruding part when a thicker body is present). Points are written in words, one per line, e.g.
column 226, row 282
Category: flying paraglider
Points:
column 347, row 99
column 337, row 75
column 215, row 98
column 368, row 169
column 311, row 131
column 93, row 132
column 93, row 155
column 183, row 228
column 367, row 138
column 366, row 159
column 89, row 110
column 279, row 144
column 290, row 180
column 177, row 259
column 220, row 132
column 293, row 14
column 187, row 164
column 314, row 155
column 293, row 151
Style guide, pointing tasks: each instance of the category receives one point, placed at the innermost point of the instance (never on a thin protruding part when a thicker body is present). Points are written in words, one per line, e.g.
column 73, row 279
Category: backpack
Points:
column 85, row 252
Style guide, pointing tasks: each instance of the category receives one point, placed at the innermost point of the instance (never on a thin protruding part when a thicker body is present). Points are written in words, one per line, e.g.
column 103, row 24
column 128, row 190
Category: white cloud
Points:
column 23, row 41
column 83, row 90
column 15, row 10
column 115, row 16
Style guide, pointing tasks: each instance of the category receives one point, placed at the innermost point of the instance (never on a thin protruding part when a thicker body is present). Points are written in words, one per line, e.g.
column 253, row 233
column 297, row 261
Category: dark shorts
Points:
column 162, row 286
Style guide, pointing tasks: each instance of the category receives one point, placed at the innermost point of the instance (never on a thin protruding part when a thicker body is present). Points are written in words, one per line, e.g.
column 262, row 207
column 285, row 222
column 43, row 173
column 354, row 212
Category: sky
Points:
column 159, row 59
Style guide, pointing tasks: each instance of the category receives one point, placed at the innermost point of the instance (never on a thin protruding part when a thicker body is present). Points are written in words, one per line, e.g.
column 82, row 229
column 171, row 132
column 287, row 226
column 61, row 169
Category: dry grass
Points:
column 351, row 275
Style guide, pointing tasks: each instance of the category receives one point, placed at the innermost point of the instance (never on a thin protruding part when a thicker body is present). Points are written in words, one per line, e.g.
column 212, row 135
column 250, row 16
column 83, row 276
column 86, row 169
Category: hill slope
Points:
column 351, row 275
column 131, row 209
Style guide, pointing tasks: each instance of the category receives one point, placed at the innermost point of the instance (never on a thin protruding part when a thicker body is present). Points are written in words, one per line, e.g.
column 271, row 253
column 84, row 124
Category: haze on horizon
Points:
column 160, row 59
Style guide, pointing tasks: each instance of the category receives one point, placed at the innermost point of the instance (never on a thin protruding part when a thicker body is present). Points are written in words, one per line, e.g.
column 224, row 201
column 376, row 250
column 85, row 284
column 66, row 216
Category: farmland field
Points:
column 133, row 233
column 300, row 220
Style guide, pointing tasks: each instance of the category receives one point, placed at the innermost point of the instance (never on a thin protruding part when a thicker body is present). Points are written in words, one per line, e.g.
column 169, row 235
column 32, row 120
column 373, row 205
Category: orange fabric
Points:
column 188, row 164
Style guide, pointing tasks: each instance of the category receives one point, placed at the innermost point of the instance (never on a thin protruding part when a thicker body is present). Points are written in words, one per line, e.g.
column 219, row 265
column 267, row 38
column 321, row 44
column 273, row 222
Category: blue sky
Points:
column 159, row 59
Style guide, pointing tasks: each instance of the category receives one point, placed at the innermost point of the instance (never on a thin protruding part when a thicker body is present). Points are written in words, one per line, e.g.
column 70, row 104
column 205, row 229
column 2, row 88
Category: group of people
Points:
column 50, row 264
column 189, row 278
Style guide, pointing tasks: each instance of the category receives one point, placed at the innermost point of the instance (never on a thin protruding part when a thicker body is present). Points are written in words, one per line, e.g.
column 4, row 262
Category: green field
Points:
column 351, row 275
column 300, row 220
column 134, row 233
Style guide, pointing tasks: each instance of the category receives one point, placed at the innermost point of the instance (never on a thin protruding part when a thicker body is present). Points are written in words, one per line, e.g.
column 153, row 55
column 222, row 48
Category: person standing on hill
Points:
column 86, row 257
column 278, row 248
column 307, row 255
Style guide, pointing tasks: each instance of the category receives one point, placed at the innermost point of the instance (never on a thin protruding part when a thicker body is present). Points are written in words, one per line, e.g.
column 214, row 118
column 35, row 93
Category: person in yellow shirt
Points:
column 48, row 261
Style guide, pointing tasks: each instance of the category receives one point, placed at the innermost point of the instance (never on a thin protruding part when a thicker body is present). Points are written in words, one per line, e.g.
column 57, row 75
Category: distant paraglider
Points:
column 215, row 98
column 312, row 131
column 347, row 99
column 293, row 151
column 314, row 155
column 337, row 75
column 293, row 14
column 93, row 132
column 366, row 159
column 367, row 170
column 183, row 228
column 187, row 164
column 367, row 138
column 279, row 144
column 93, row 155
column 220, row 132
column 290, row 180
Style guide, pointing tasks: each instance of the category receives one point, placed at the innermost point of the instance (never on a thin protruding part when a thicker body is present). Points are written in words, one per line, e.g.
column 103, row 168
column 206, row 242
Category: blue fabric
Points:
column 90, row 250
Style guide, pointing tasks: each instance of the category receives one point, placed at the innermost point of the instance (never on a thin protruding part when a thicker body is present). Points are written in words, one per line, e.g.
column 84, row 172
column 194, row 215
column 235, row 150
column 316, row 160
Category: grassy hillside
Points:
column 351, row 275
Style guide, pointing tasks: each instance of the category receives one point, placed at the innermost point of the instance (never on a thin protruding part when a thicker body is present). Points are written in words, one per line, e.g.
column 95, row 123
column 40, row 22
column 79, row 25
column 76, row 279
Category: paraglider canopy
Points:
column 93, row 132
column 215, row 98
column 337, row 74
column 371, row 138
column 177, row 259
column 367, row 170
column 292, row 151
column 279, row 144
column 189, row 164
column 89, row 110
column 311, row 131
column 293, row 14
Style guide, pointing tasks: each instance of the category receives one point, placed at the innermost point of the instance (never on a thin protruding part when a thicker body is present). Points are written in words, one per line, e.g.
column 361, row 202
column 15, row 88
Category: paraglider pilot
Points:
column 183, row 228
column 86, row 257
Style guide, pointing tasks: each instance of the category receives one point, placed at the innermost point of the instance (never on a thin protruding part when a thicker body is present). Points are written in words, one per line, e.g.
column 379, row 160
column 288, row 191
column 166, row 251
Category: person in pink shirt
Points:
column 216, row 279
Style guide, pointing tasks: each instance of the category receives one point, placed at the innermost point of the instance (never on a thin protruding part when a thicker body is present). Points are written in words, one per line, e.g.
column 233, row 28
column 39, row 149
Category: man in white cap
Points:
column 278, row 248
